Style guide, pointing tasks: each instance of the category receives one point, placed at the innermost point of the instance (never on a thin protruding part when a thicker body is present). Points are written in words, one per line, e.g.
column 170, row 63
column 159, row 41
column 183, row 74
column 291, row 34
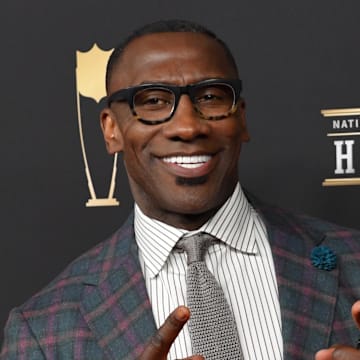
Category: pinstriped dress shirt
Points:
column 242, row 264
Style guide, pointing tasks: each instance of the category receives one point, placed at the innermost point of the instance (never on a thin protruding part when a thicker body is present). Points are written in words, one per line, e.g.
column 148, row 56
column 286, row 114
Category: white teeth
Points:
column 191, row 166
column 189, row 162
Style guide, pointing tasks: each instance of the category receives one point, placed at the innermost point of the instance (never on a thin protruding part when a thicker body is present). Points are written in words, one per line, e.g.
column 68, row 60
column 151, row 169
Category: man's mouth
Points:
column 188, row 162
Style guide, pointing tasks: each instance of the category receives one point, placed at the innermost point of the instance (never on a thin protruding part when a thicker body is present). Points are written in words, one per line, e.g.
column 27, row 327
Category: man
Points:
column 175, row 113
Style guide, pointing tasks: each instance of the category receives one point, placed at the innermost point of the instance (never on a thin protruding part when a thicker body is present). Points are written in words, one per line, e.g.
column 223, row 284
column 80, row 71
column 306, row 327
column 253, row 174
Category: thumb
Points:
column 355, row 311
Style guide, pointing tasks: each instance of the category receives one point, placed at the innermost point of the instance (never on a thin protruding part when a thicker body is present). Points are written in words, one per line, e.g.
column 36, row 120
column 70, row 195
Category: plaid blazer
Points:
column 98, row 307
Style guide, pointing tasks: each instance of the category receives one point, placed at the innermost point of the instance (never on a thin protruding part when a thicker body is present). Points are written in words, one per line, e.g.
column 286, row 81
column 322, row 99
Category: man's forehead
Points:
column 150, row 52
column 171, row 42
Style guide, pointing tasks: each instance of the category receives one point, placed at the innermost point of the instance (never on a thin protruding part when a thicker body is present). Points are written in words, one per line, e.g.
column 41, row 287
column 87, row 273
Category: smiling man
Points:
column 175, row 164
column 176, row 113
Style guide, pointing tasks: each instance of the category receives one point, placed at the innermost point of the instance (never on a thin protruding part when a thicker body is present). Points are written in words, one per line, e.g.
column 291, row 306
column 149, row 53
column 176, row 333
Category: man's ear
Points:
column 112, row 134
column 244, row 136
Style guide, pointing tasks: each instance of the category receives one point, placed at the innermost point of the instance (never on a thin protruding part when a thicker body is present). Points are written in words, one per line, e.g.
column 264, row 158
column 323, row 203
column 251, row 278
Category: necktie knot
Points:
column 195, row 246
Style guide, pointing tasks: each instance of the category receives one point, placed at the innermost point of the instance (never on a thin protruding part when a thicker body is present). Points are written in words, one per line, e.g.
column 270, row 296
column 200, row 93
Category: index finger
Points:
column 161, row 342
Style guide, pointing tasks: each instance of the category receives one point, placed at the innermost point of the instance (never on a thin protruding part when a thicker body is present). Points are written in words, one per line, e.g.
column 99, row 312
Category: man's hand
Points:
column 341, row 352
column 161, row 342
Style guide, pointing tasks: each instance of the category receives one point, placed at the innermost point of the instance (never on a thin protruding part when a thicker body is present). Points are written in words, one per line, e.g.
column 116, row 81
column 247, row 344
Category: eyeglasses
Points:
column 152, row 104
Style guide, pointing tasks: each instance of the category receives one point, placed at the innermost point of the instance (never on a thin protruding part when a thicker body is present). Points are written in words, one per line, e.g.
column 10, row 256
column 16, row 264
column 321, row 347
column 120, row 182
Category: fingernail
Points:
column 182, row 314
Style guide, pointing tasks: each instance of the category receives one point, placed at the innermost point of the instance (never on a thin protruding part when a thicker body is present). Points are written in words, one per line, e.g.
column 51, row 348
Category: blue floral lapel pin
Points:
column 323, row 258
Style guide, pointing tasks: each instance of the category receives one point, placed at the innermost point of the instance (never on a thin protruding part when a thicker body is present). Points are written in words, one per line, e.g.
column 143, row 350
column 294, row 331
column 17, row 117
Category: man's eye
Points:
column 215, row 95
column 153, row 99
column 208, row 97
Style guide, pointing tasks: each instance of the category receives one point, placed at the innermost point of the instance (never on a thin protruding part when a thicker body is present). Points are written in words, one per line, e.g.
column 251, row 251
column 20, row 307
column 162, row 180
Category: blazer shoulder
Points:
column 54, row 313
column 89, row 268
column 316, row 230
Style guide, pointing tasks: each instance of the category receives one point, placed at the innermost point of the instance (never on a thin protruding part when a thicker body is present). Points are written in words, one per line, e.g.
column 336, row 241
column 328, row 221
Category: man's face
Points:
column 162, row 185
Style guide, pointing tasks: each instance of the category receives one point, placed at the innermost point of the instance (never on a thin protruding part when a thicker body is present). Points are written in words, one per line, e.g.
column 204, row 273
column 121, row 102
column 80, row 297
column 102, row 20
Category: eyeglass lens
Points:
column 154, row 103
column 158, row 103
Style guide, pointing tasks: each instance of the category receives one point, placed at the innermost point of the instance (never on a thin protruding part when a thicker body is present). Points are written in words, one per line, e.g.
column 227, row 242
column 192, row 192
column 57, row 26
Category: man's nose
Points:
column 186, row 124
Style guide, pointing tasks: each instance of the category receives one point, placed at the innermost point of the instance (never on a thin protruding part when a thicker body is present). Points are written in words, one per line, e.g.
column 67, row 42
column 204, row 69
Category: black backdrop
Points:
column 295, row 59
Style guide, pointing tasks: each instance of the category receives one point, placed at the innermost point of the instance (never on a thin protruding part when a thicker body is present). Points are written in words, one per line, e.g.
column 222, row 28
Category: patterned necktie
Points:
column 212, row 326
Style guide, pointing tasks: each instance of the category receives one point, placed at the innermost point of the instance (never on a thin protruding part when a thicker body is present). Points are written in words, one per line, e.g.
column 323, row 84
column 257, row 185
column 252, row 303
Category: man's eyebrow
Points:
column 157, row 82
column 175, row 83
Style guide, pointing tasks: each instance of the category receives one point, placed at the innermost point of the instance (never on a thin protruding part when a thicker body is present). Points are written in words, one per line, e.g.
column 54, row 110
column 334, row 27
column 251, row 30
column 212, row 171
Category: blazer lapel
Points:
column 115, row 305
column 307, row 295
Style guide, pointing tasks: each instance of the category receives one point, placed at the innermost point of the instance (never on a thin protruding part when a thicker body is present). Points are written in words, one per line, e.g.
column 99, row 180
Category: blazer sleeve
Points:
column 19, row 341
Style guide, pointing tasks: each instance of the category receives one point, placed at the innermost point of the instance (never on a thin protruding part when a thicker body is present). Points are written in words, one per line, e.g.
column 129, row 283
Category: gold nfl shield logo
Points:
column 90, row 82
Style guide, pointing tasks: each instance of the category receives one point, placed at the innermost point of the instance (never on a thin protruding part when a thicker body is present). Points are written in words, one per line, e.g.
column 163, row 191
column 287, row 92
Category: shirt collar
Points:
column 233, row 224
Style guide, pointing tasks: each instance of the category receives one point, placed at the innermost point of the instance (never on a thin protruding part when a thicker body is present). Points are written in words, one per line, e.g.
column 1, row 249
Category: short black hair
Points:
column 163, row 26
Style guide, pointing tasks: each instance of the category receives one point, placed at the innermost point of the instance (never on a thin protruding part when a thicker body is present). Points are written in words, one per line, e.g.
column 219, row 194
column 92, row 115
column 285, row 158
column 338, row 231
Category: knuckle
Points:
column 173, row 323
column 157, row 341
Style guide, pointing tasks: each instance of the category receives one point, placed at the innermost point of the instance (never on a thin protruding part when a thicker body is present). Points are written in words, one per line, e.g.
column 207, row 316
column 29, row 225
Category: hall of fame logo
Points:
column 344, row 128
column 90, row 82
